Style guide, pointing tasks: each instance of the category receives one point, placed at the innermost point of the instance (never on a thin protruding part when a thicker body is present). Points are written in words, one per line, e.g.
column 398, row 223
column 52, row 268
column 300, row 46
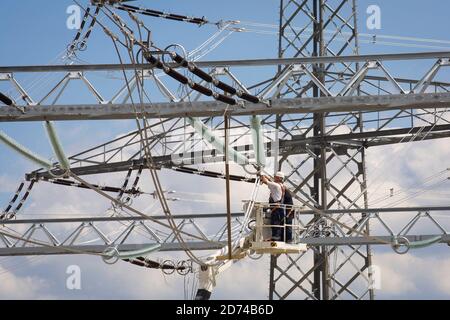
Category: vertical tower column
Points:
column 328, row 176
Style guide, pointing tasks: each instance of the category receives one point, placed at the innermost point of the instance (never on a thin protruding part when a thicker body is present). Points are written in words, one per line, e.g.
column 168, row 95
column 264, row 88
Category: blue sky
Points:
column 40, row 33
column 34, row 32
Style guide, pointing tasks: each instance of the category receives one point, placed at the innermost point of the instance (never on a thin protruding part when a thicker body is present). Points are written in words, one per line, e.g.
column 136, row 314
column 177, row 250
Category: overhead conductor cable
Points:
column 258, row 140
column 56, row 145
column 30, row 155
column 210, row 137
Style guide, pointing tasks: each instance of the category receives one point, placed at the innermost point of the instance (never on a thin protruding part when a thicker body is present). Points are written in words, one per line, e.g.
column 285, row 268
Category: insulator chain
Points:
column 168, row 267
column 7, row 214
column 81, row 45
column 212, row 174
column 127, row 200
column 181, row 61
column 131, row 192
column 160, row 14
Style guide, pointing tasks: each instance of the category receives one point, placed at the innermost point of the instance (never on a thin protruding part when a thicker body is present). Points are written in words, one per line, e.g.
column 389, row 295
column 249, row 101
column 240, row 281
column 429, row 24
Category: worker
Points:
column 276, row 198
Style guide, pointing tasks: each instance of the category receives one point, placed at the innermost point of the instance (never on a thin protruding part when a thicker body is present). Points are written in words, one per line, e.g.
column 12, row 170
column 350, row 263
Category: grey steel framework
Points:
column 321, row 104
column 324, row 190
column 133, row 233
column 327, row 174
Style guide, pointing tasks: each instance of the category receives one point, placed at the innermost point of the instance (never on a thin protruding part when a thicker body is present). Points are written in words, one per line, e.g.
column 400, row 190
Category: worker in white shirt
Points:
column 277, row 190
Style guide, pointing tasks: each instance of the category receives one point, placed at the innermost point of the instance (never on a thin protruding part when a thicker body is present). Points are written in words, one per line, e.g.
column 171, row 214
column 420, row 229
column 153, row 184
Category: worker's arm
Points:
column 265, row 179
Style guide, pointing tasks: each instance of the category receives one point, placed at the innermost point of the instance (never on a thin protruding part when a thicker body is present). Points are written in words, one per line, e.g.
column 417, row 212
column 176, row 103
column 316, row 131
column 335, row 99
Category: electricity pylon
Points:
column 322, row 191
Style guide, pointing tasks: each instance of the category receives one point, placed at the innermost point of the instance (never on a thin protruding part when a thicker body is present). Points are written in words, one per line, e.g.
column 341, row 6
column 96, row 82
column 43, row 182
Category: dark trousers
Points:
column 288, row 220
column 276, row 219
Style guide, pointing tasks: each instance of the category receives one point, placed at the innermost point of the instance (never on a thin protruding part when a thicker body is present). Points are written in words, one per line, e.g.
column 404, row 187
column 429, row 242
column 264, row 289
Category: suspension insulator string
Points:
column 211, row 174
column 78, row 44
column 5, row 99
column 159, row 14
column 210, row 79
column 70, row 183
column 6, row 214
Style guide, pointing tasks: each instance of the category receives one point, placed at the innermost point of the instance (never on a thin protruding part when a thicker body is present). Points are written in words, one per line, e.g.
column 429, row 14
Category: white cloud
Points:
column 396, row 277
column 412, row 275
column 246, row 279
column 28, row 287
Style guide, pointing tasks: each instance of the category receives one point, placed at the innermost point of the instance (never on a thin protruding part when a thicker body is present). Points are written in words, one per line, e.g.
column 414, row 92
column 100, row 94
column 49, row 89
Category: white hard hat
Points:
column 280, row 174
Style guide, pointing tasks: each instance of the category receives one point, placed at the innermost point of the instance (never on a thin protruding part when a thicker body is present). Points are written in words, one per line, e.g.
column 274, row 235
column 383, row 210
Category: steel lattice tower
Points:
column 313, row 17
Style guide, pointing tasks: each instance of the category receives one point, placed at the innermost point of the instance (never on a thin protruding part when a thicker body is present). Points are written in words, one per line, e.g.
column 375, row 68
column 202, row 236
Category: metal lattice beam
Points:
column 214, row 108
